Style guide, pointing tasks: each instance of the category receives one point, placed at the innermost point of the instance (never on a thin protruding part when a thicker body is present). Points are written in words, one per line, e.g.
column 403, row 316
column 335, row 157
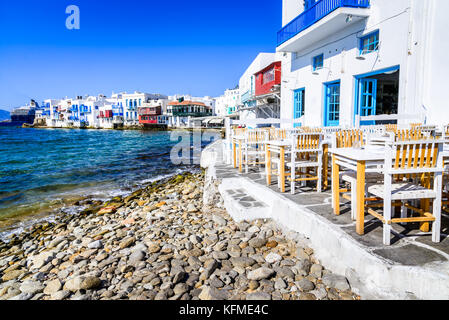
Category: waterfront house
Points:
column 228, row 103
column 362, row 62
column 260, row 88
column 132, row 101
column 180, row 112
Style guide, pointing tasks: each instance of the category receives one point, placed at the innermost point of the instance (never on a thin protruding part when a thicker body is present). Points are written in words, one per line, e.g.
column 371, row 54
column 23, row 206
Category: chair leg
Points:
column 292, row 173
column 319, row 182
column 403, row 212
column 387, row 226
column 436, row 225
column 354, row 200
column 246, row 159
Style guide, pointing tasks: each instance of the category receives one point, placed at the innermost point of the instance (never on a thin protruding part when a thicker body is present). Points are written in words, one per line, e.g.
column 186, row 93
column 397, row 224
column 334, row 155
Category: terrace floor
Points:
column 410, row 247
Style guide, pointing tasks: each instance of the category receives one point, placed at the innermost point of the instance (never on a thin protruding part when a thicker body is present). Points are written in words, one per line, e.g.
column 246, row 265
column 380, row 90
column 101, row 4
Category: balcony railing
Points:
column 315, row 13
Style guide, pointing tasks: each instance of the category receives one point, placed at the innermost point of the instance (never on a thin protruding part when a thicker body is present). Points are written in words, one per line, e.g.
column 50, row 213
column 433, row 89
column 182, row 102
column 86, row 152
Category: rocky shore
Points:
column 162, row 243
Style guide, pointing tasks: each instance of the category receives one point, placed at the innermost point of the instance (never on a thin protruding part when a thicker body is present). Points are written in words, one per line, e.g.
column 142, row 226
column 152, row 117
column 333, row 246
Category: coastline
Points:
column 161, row 242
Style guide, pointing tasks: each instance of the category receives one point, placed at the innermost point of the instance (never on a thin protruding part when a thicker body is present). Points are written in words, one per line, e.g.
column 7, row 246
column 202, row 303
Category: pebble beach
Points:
column 162, row 242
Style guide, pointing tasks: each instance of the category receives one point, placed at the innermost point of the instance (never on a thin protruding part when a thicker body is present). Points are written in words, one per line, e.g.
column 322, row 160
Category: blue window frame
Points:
column 299, row 104
column 332, row 104
column 369, row 43
column 318, row 62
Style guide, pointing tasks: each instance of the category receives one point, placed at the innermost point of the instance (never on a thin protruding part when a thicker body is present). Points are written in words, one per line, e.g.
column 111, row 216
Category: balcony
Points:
column 320, row 21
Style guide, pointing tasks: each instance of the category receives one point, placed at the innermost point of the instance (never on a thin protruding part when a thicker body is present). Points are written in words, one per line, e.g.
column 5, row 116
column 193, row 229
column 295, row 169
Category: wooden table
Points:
column 361, row 161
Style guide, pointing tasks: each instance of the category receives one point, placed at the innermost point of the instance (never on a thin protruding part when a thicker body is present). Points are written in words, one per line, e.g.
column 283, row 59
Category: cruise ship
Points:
column 24, row 114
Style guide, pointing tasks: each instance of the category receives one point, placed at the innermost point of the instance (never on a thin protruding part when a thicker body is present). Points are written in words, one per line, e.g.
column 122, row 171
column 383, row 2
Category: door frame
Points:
column 303, row 90
column 325, row 103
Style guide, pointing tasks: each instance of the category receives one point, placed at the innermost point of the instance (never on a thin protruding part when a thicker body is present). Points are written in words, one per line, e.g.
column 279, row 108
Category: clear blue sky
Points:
column 187, row 47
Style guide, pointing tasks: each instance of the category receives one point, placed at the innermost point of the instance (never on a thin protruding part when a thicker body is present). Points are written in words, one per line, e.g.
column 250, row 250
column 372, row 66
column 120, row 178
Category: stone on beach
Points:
column 173, row 255
column 261, row 273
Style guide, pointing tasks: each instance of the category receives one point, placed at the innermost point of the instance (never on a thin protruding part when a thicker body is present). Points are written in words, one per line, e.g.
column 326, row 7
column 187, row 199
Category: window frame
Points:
column 364, row 48
column 315, row 59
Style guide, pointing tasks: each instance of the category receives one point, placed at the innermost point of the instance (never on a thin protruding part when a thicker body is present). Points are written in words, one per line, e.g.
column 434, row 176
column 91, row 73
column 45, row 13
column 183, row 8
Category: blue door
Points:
column 332, row 105
column 299, row 105
column 367, row 99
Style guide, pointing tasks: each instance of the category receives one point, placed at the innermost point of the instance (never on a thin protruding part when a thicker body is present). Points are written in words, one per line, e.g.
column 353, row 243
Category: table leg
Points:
column 282, row 169
column 268, row 165
column 325, row 166
column 234, row 151
column 360, row 222
column 240, row 157
column 335, row 186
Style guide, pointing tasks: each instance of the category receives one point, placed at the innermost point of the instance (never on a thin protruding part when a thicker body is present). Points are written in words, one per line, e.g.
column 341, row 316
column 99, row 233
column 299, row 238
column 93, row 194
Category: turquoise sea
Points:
column 42, row 169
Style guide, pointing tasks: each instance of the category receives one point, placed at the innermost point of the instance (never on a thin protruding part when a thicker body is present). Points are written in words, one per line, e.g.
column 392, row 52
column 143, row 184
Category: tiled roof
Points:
column 186, row 103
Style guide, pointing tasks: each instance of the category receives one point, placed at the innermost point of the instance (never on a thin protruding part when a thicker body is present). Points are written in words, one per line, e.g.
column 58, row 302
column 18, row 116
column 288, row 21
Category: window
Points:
column 318, row 62
column 369, row 43
column 268, row 76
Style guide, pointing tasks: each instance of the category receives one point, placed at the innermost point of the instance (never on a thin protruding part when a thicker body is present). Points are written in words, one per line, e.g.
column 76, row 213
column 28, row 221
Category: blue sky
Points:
column 187, row 47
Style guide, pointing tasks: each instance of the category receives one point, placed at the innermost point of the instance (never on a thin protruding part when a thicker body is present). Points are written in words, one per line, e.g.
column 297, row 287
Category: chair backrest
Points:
column 391, row 127
column 412, row 157
column 278, row 134
column 307, row 142
column 409, row 135
column 415, row 125
column 349, row 138
column 238, row 131
column 256, row 136
column 311, row 130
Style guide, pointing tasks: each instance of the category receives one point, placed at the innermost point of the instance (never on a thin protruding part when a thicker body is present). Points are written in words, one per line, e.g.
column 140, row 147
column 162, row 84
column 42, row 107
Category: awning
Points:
column 216, row 121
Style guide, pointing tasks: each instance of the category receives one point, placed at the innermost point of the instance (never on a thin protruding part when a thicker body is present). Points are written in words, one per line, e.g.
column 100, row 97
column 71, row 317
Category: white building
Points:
column 228, row 103
column 247, row 87
column 346, row 59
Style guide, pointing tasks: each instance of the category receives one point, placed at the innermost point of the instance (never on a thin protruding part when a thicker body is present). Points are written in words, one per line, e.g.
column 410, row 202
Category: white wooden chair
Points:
column 254, row 148
column 306, row 152
column 423, row 161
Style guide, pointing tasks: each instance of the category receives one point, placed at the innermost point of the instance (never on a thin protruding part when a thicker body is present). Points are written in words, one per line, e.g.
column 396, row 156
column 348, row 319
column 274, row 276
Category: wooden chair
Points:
column 422, row 160
column 305, row 153
column 254, row 148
